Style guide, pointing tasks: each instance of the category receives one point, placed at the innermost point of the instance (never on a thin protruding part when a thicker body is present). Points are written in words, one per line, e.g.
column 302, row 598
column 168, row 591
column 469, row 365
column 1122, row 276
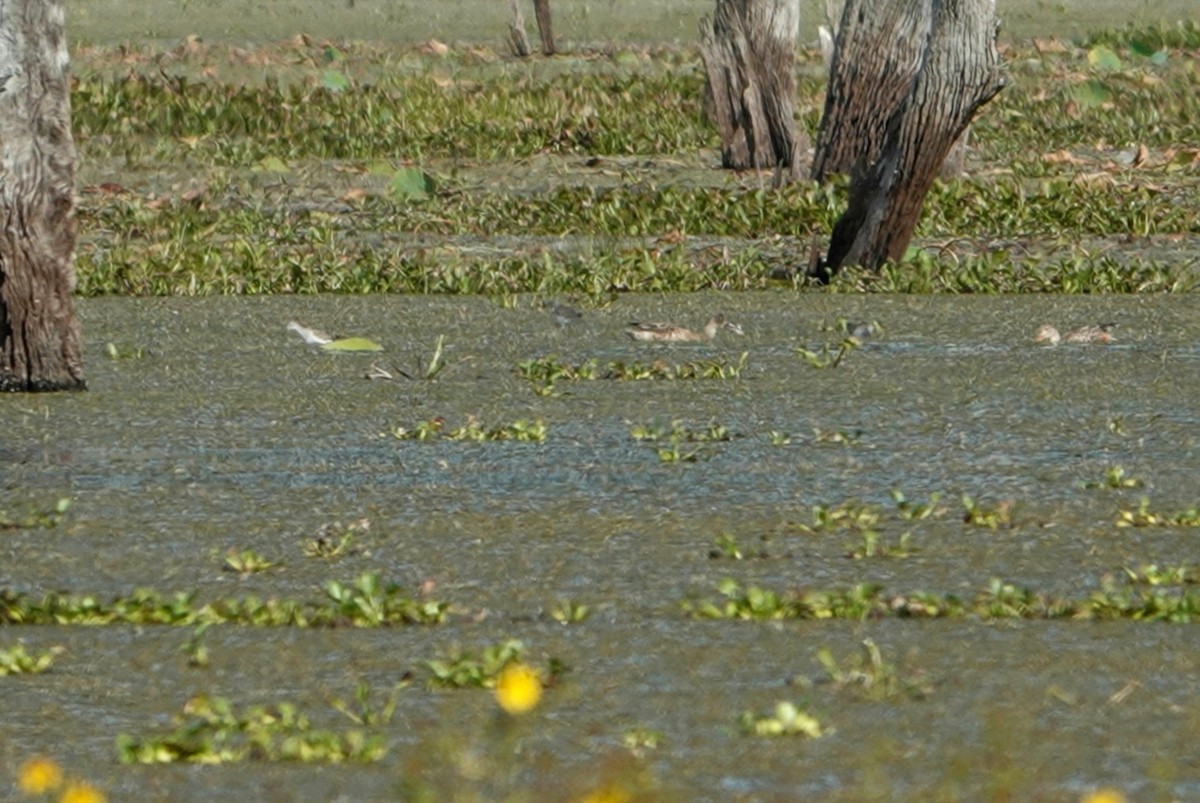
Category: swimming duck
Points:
column 1098, row 333
column 669, row 333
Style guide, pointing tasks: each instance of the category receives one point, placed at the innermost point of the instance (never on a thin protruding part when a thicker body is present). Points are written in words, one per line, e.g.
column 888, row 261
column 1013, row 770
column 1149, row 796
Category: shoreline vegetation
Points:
column 315, row 166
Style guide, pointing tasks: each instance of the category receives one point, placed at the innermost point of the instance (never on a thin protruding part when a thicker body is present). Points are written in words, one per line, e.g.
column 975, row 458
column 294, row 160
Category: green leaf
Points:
column 271, row 164
column 411, row 182
column 335, row 81
column 1091, row 93
column 1102, row 58
column 352, row 344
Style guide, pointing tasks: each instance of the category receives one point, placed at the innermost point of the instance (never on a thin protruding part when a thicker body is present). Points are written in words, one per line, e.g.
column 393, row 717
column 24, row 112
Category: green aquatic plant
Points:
column 992, row 518
column 829, row 356
column 16, row 660
column 874, row 546
column 785, row 720
column 364, row 603
column 466, row 668
column 1143, row 516
column 196, row 649
column 1152, row 575
column 849, row 515
column 36, row 517
column 570, row 612
column 435, row 429
column 363, row 711
column 211, row 730
column 1116, row 477
column 841, row 437
column 917, row 511
column 869, row 675
column 247, row 561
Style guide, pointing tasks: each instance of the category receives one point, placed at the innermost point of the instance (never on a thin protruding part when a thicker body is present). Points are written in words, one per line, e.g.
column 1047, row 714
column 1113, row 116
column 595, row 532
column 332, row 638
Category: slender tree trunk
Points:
column 541, row 8
column 39, row 334
column 516, row 31
column 749, row 52
column 948, row 47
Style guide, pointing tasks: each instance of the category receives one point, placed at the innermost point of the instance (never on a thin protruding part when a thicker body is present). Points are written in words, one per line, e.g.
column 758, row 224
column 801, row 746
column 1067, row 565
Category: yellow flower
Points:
column 79, row 792
column 610, row 793
column 1104, row 796
column 39, row 775
column 519, row 688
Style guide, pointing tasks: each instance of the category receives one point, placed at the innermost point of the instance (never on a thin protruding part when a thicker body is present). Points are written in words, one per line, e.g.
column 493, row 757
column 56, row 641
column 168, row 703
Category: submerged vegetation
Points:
column 1076, row 184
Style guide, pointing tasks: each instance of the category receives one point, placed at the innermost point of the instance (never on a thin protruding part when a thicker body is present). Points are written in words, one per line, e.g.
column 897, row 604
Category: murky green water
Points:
column 229, row 433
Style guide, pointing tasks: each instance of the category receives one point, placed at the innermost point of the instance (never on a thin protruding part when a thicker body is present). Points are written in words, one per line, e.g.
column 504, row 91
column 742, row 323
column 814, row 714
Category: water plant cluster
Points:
column 544, row 372
column 393, row 200
column 435, row 429
column 366, row 602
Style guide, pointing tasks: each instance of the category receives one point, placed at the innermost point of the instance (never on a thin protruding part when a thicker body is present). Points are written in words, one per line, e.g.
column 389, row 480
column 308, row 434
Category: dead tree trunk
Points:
column 516, row 32
column 849, row 130
column 749, row 52
column 948, row 49
column 541, row 9
column 39, row 334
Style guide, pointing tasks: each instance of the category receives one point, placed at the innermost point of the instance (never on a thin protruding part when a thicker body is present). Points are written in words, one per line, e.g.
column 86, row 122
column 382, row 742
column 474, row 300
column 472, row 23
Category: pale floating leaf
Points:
column 352, row 344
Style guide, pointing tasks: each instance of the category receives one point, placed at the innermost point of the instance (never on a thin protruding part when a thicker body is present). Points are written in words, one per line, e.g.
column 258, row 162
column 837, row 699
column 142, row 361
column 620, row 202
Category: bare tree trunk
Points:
column 841, row 141
column 39, row 334
column 541, row 8
column 516, row 32
column 958, row 70
column 749, row 52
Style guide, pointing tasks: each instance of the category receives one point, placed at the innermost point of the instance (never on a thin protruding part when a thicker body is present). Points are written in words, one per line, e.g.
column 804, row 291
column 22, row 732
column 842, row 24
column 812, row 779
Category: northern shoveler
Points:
column 669, row 333
column 1099, row 333
column 313, row 337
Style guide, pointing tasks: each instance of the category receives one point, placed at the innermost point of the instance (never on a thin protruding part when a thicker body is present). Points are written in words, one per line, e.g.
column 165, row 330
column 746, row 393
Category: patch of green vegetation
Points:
column 36, row 517
column 211, row 730
column 1151, row 574
column 288, row 202
column 364, row 603
column 871, row 676
column 786, row 720
column 247, row 561
column 435, row 430
column 470, row 669
column 1115, row 477
column 333, row 540
column 1145, row 517
column 1181, row 35
column 991, row 517
column 999, row 601
column 570, row 612
column 544, row 372
column 829, row 356
column 16, row 660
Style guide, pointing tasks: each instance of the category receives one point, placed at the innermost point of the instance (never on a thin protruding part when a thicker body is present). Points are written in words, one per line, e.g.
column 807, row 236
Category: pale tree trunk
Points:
column 749, row 52
column 516, row 29
column 39, row 334
column 947, row 51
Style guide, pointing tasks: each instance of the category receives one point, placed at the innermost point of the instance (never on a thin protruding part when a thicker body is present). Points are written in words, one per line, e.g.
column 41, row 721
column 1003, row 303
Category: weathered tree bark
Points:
column 541, row 8
column 749, row 52
column 516, row 31
column 849, row 130
column 948, row 47
column 39, row 334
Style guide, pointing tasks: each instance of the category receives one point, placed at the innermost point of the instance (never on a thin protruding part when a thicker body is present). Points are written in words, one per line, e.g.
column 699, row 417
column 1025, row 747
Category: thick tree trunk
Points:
column 541, row 8
column 39, row 334
column 749, row 52
column 948, row 48
column 851, row 130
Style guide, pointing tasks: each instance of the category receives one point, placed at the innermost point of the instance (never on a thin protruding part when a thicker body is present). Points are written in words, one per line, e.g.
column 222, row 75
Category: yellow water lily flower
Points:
column 39, row 776
column 82, row 793
column 518, row 688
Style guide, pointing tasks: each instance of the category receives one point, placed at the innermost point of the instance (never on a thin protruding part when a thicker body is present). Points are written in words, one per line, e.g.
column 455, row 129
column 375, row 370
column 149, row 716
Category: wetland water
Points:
column 229, row 433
